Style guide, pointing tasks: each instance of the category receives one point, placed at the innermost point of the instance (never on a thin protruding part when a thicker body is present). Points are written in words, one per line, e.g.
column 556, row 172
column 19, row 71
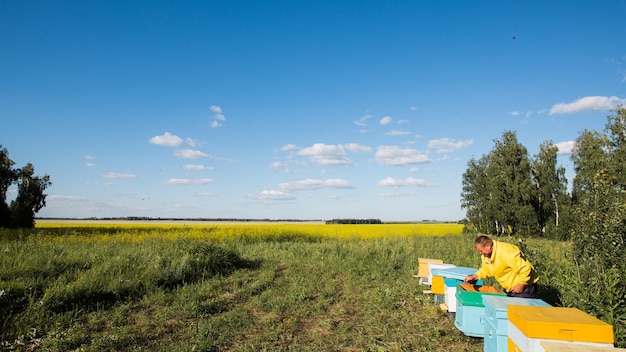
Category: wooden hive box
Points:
column 445, row 281
column 529, row 326
column 496, row 321
column 436, row 266
column 422, row 267
column 470, row 309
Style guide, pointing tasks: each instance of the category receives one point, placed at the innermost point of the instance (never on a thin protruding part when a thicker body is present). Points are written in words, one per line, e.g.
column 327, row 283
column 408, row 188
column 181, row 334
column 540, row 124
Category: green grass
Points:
column 272, row 295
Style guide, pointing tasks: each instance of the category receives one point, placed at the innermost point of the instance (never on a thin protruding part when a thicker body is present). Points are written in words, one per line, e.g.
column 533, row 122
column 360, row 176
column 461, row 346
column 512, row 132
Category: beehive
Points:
column 529, row 326
column 496, row 322
column 470, row 309
column 569, row 347
column 435, row 266
column 446, row 285
column 422, row 268
column 438, row 285
column 450, row 294
column 449, row 297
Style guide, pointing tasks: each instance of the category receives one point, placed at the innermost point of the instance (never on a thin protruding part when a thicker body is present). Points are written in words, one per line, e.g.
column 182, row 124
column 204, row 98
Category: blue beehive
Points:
column 452, row 277
column 496, row 321
column 470, row 309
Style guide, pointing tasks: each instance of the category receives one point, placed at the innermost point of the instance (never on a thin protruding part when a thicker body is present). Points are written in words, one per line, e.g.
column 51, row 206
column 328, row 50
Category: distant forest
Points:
column 333, row 221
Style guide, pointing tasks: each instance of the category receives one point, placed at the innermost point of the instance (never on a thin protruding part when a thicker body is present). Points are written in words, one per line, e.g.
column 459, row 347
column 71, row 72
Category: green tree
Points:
column 509, row 182
column 497, row 189
column 474, row 198
column 616, row 146
column 7, row 177
column 550, row 186
column 599, row 234
column 30, row 193
column 589, row 157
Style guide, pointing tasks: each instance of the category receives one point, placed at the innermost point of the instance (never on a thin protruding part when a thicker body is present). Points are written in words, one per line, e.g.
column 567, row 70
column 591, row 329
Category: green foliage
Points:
column 599, row 231
column 30, row 193
column 551, row 203
column 594, row 217
column 505, row 192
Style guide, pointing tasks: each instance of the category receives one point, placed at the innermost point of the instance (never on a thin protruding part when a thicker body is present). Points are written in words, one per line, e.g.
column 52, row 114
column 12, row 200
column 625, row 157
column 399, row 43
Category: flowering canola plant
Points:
column 137, row 232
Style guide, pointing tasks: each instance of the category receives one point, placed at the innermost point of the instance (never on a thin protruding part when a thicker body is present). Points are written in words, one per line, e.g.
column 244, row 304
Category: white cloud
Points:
column 392, row 182
column 447, row 145
column 279, row 165
column 386, row 120
column 309, row 183
column 329, row 154
column 394, row 155
column 118, row 175
column 566, row 147
column 591, row 103
column 363, row 120
column 216, row 109
column 358, row 148
column 190, row 154
column 187, row 182
column 218, row 116
column 90, row 157
column 397, row 133
column 207, row 194
column 167, row 140
column 289, row 147
column 274, row 195
column 196, row 167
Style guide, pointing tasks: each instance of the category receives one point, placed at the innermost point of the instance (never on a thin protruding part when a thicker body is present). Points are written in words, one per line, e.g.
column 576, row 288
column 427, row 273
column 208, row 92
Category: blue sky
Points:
column 294, row 109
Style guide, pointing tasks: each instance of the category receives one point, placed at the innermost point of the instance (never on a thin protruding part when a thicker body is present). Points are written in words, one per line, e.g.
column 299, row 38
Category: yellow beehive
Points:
column 528, row 326
column 438, row 285
column 422, row 266
column 570, row 347
column 512, row 346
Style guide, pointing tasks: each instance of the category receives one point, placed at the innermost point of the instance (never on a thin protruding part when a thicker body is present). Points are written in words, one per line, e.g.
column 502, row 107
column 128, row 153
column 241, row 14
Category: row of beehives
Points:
column 508, row 323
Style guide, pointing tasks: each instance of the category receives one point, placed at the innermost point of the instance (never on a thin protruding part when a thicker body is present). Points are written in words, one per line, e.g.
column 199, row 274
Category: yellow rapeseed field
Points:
column 136, row 232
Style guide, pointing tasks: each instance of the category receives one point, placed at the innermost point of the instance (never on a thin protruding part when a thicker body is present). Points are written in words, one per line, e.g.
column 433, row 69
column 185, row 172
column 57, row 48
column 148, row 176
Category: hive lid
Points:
column 499, row 304
column 471, row 295
column 560, row 323
column 457, row 272
column 435, row 266
column 422, row 268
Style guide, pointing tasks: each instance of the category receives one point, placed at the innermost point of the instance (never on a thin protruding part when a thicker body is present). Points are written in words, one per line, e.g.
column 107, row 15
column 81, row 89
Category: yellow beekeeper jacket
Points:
column 508, row 266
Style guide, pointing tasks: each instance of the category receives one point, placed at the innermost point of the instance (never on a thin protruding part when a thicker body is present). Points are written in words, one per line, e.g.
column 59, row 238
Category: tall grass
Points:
column 160, row 288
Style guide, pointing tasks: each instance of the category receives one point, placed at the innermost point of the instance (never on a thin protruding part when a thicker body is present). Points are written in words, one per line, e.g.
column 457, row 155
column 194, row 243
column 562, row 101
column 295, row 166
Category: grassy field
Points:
column 235, row 287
